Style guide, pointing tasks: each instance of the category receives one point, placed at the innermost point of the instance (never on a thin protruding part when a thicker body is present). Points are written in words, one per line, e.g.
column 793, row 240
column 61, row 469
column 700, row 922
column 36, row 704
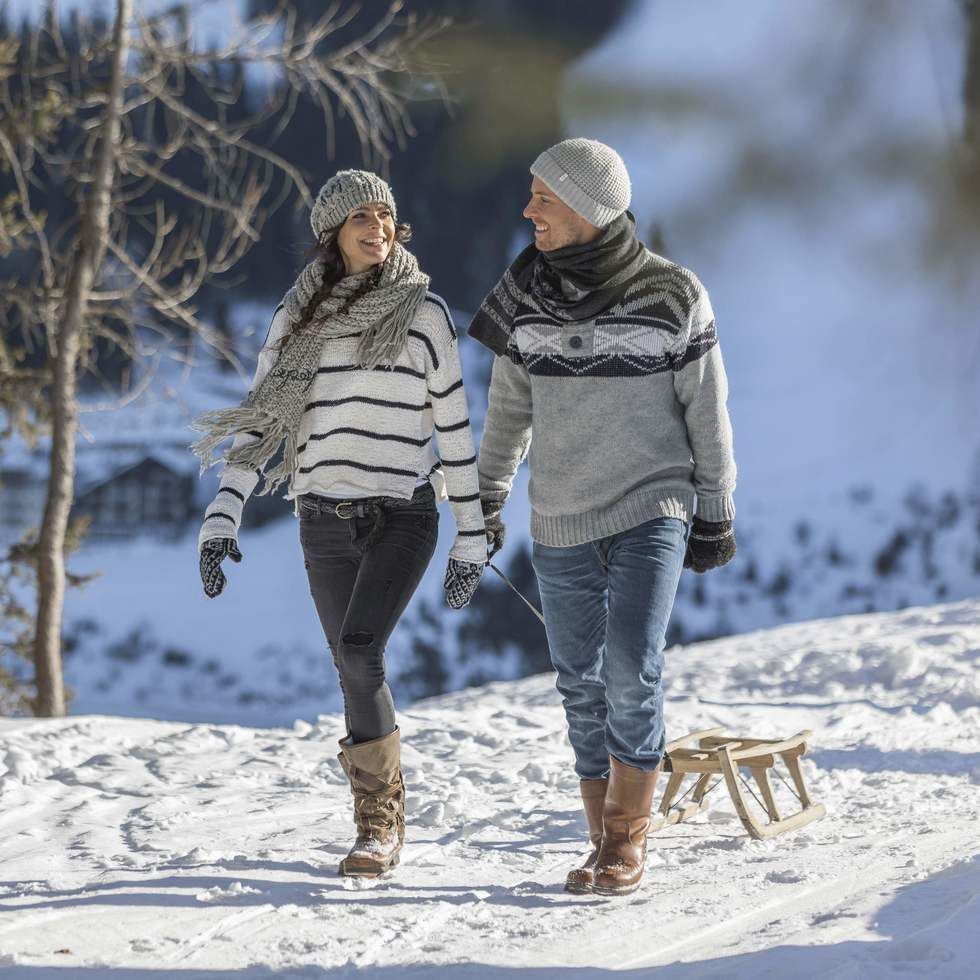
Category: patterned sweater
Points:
column 627, row 409
column 368, row 432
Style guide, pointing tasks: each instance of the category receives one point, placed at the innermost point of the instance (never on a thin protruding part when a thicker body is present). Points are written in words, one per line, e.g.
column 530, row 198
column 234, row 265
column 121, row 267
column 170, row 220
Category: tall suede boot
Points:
column 374, row 771
column 579, row 880
column 625, row 821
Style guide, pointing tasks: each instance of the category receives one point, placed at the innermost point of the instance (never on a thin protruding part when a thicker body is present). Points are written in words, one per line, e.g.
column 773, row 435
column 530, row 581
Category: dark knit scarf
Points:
column 382, row 316
column 573, row 283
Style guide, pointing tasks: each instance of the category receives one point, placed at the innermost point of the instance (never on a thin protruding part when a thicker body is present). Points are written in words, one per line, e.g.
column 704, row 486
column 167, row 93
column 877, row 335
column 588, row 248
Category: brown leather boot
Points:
column 579, row 880
column 374, row 771
column 625, row 821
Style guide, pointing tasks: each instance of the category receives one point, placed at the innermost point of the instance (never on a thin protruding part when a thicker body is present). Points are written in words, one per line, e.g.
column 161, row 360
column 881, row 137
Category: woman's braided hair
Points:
column 333, row 271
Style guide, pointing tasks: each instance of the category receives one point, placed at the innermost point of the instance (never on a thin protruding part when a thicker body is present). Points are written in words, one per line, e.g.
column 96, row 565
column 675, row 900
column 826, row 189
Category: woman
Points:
column 360, row 365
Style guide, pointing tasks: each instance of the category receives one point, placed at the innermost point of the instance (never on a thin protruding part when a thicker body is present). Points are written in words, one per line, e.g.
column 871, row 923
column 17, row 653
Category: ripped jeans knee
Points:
column 361, row 664
column 357, row 639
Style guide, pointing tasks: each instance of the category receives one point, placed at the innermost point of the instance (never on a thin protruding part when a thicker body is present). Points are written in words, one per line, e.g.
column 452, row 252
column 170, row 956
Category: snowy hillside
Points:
column 796, row 159
column 793, row 156
column 855, row 406
column 170, row 849
column 256, row 655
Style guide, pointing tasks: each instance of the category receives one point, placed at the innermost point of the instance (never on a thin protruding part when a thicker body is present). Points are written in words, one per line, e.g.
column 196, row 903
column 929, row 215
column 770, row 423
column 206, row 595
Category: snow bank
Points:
column 173, row 849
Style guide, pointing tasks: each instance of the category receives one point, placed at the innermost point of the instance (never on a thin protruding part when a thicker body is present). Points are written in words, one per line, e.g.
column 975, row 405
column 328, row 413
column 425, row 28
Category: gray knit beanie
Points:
column 342, row 193
column 588, row 176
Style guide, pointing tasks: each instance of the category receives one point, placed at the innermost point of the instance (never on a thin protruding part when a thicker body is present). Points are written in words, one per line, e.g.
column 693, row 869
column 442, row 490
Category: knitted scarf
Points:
column 572, row 283
column 382, row 316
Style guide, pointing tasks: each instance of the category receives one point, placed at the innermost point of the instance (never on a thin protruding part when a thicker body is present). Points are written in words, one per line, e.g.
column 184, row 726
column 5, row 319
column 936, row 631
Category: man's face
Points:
column 556, row 225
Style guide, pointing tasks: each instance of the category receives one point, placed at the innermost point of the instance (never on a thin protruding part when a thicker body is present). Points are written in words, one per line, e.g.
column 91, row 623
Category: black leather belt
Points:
column 364, row 506
column 347, row 509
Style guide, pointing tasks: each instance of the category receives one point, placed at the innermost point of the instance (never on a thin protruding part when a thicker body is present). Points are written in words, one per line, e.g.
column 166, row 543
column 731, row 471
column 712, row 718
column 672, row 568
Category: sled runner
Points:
column 713, row 757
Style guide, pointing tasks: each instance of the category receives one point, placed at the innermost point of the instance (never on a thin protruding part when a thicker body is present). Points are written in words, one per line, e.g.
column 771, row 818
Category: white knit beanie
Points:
column 588, row 176
column 342, row 193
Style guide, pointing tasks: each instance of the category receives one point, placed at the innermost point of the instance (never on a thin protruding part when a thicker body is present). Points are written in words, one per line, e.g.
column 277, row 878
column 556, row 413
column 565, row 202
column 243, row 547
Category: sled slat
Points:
column 790, row 746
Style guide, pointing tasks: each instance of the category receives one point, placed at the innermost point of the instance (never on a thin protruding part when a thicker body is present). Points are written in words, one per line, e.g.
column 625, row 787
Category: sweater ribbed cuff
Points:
column 216, row 528
column 469, row 547
column 716, row 508
column 568, row 530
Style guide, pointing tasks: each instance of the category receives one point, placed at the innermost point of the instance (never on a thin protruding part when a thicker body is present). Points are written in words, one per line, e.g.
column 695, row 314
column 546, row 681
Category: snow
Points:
column 256, row 654
column 855, row 408
column 132, row 845
column 207, row 842
column 756, row 141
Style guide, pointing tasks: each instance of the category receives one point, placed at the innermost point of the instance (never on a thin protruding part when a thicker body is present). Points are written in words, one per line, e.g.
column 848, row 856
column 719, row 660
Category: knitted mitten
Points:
column 496, row 530
column 213, row 552
column 462, row 578
column 711, row 545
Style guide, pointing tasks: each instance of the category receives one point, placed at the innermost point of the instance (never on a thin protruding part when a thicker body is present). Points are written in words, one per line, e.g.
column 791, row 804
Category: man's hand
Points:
column 213, row 552
column 710, row 545
column 496, row 530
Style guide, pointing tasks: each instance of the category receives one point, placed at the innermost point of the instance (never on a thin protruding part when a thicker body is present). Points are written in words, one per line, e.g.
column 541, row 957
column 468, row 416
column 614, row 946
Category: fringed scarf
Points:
column 275, row 408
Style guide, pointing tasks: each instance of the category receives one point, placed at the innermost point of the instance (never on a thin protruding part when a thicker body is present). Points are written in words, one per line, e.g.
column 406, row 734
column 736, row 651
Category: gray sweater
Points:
column 622, row 417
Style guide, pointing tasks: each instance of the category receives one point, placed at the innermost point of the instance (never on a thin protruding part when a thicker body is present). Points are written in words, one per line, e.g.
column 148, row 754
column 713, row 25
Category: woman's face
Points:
column 366, row 237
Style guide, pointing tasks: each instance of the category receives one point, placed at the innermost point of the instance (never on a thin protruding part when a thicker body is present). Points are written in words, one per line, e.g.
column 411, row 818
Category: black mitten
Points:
column 213, row 552
column 711, row 545
column 496, row 530
column 462, row 578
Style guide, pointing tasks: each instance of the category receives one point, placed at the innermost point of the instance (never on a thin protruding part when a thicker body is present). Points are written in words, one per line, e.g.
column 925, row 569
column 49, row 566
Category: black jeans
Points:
column 361, row 587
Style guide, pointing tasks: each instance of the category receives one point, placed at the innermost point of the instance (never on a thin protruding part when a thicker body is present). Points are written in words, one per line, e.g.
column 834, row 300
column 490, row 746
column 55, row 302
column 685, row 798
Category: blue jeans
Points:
column 606, row 604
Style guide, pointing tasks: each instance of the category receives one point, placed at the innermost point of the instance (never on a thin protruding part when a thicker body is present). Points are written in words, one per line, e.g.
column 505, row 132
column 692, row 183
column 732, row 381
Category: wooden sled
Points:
column 713, row 757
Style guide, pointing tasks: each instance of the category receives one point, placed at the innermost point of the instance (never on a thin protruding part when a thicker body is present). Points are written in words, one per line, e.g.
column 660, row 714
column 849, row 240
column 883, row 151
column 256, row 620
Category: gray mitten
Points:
column 462, row 578
column 213, row 552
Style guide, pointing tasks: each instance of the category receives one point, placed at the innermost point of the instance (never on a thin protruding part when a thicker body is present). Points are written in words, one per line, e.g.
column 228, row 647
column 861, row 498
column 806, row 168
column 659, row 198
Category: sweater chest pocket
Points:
column 578, row 339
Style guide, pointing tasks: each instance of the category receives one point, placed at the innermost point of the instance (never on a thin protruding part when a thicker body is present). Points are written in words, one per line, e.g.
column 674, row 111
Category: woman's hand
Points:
column 462, row 578
column 213, row 552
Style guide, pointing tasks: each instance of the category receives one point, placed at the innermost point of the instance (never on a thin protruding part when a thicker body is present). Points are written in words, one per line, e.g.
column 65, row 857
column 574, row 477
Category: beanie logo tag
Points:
column 563, row 177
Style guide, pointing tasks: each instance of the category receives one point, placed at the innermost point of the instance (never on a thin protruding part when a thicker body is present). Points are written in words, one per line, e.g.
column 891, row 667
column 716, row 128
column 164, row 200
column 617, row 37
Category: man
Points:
column 608, row 357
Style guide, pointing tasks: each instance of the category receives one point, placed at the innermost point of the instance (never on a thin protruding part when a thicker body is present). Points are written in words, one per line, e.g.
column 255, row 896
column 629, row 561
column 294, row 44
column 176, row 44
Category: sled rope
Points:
column 792, row 789
column 518, row 592
column 752, row 791
column 690, row 790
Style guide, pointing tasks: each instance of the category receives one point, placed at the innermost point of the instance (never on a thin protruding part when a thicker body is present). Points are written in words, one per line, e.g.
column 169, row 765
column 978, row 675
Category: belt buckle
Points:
column 338, row 508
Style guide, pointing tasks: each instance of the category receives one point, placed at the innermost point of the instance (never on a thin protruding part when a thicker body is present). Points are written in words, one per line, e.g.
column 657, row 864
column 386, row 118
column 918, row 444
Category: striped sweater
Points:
column 369, row 432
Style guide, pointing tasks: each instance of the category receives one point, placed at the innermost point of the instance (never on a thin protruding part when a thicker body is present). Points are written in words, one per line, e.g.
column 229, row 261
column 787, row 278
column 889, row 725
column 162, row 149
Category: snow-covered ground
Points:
column 136, row 848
